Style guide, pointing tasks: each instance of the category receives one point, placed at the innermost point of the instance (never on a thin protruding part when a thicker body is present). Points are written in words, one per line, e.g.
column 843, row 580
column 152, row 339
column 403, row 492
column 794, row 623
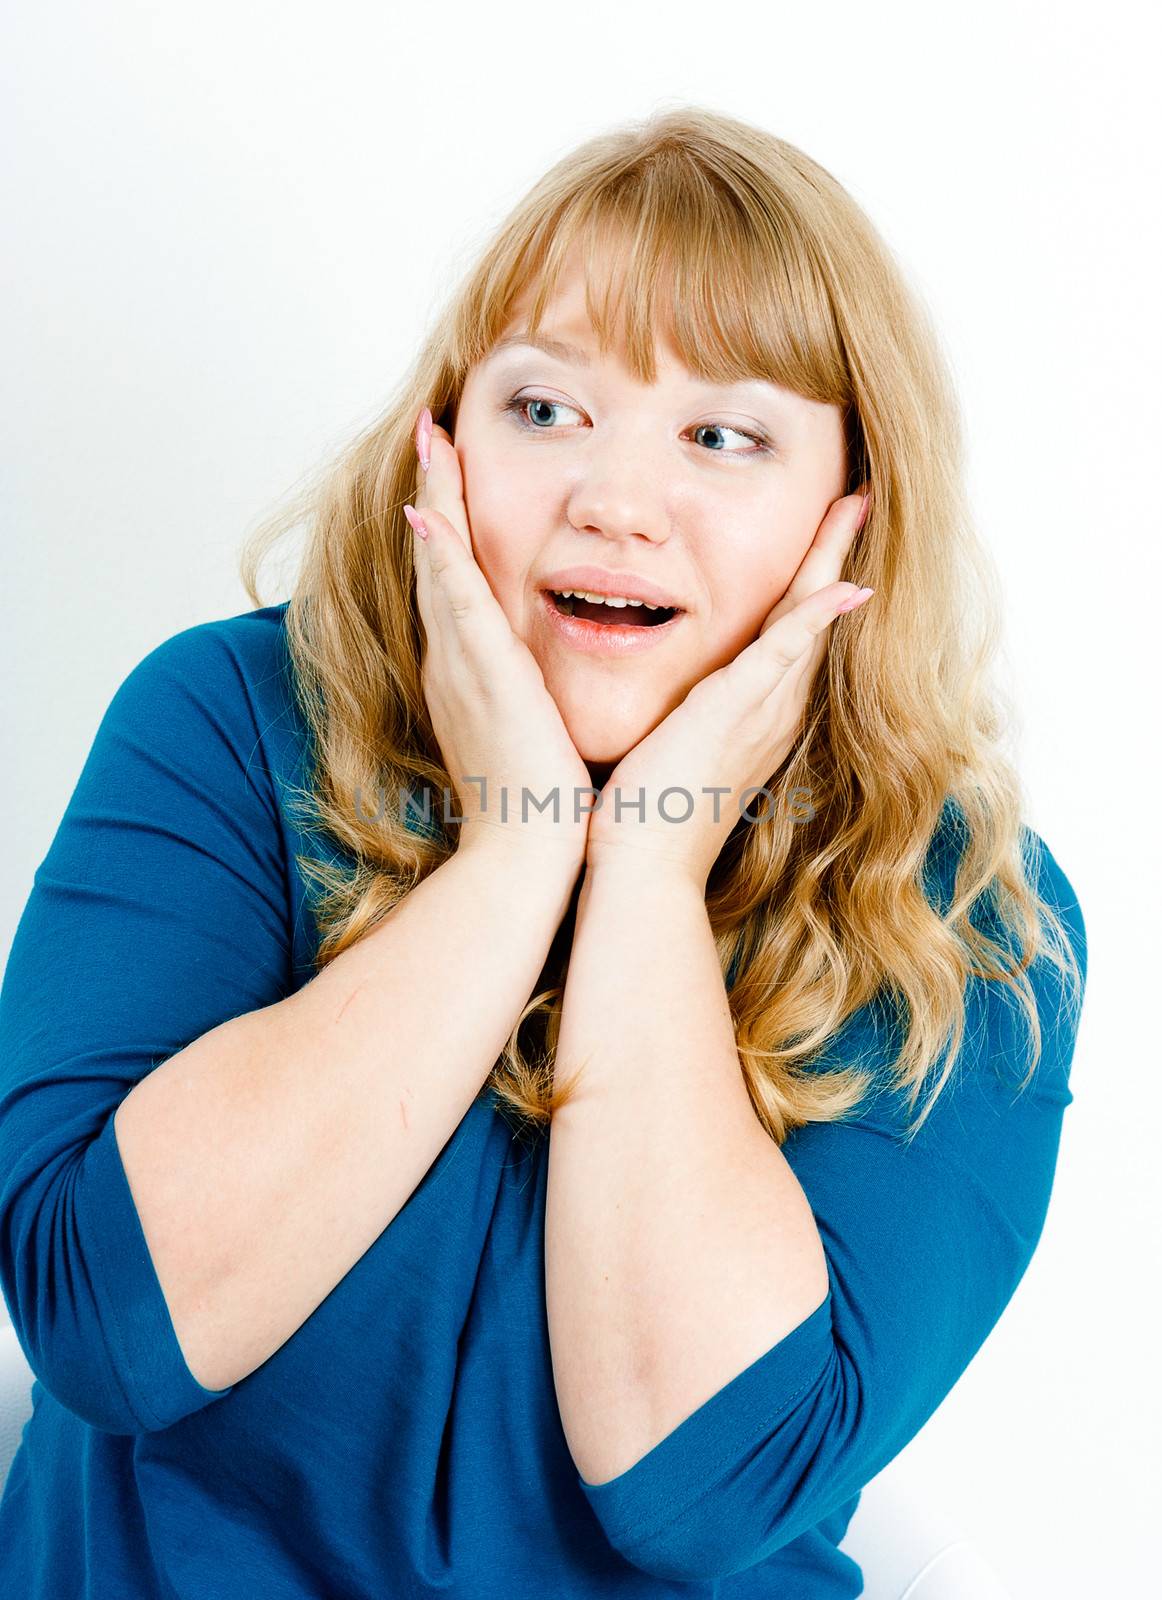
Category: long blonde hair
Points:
column 771, row 270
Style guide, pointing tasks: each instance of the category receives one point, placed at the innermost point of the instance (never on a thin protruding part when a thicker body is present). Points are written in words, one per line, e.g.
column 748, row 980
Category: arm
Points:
column 679, row 1245
column 267, row 1156
column 165, row 1228
column 924, row 1245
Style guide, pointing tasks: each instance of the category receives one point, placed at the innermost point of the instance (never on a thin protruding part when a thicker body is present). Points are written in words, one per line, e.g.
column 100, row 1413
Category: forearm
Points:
column 268, row 1155
column 679, row 1245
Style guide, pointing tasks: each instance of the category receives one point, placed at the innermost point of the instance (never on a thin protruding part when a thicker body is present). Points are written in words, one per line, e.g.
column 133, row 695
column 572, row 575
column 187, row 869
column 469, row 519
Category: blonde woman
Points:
column 508, row 1092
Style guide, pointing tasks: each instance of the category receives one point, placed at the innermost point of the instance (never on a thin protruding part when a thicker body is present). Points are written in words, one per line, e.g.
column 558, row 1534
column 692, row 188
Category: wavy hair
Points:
column 761, row 265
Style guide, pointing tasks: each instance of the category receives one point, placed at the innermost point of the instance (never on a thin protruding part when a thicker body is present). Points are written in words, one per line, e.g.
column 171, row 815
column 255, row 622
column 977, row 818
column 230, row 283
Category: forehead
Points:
column 566, row 330
column 559, row 349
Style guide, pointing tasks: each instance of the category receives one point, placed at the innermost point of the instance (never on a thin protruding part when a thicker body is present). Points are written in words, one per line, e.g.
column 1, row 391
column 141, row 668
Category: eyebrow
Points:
column 550, row 347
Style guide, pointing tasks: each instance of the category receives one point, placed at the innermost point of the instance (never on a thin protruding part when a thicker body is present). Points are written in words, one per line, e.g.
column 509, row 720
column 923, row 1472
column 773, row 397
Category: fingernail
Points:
column 416, row 521
column 857, row 599
column 864, row 503
column 424, row 438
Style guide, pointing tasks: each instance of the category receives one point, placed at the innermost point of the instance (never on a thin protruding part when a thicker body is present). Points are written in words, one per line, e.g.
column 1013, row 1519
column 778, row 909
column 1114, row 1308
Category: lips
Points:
column 631, row 616
column 601, row 580
column 615, row 638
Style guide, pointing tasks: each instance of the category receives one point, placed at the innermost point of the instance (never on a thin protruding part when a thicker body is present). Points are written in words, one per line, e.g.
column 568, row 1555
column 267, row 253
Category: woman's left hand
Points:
column 734, row 729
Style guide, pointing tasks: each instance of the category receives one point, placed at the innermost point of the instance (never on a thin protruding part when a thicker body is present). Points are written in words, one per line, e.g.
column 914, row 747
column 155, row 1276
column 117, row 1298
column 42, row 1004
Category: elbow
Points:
column 700, row 1515
column 88, row 1334
column 81, row 1386
column 687, row 1551
column 707, row 1534
column 56, row 1336
column 710, row 1541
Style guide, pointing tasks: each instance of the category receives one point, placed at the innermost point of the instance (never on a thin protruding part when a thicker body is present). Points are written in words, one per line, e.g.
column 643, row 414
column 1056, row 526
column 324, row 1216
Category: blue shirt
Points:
column 406, row 1439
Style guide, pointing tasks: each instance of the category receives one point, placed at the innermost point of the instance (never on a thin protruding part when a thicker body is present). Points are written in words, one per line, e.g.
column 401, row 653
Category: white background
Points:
column 226, row 229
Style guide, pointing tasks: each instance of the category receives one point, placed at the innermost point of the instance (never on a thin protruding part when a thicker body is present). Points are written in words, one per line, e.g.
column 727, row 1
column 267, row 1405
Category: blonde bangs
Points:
column 670, row 256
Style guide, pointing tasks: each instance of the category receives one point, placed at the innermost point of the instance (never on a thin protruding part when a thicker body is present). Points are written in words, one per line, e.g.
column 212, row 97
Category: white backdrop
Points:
column 225, row 229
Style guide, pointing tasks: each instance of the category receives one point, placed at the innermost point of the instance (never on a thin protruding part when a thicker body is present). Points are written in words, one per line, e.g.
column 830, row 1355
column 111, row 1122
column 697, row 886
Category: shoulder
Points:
column 246, row 652
column 1044, row 872
column 1057, row 890
column 216, row 698
column 234, row 670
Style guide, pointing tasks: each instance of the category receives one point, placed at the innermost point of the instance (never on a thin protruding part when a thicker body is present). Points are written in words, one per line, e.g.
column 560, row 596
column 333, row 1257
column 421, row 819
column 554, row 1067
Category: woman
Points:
column 462, row 1056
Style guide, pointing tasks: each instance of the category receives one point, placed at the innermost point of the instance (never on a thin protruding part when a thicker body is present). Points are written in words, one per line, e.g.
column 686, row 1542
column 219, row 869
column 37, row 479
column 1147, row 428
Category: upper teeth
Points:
column 607, row 599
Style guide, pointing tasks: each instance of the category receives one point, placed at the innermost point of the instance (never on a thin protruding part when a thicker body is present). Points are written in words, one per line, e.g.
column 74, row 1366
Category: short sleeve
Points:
column 159, row 912
column 925, row 1244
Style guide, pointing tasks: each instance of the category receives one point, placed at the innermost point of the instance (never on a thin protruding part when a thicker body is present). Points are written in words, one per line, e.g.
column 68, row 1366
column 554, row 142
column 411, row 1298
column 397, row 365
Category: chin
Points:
column 602, row 734
column 597, row 746
column 602, row 752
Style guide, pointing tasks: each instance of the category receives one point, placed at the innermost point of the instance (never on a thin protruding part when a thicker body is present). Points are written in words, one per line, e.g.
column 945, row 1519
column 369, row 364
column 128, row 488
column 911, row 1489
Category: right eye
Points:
column 518, row 405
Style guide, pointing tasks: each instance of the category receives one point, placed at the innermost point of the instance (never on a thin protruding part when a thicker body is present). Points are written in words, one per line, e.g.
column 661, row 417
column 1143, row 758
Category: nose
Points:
column 617, row 495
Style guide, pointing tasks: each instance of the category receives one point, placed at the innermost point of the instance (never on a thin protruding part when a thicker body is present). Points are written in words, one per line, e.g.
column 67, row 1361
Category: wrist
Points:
column 641, row 868
column 525, row 850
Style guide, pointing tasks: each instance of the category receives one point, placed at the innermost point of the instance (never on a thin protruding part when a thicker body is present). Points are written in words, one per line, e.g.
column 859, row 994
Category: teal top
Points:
column 406, row 1440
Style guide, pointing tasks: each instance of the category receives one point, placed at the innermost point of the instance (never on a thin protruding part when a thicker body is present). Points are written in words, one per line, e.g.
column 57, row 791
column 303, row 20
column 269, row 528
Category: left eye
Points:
column 724, row 427
column 520, row 407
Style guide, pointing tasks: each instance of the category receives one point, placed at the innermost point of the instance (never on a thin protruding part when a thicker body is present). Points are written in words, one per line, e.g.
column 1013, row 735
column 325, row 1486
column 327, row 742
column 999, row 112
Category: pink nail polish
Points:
column 424, row 438
column 854, row 600
column 862, row 517
column 416, row 521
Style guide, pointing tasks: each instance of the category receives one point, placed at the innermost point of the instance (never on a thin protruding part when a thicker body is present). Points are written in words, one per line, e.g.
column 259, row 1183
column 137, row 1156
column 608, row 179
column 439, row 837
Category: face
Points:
column 712, row 493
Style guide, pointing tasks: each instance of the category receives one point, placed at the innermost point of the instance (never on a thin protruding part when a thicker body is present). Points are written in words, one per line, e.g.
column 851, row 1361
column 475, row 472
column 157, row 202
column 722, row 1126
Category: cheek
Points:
column 748, row 583
column 507, row 520
column 506, row 562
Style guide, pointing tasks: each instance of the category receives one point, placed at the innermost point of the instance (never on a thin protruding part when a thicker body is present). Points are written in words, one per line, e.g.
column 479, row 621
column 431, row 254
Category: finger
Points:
column 423, row 582
column 827, row 553
column 442, row 486
column 765, row 663
column 829, row 549
column 460, row 605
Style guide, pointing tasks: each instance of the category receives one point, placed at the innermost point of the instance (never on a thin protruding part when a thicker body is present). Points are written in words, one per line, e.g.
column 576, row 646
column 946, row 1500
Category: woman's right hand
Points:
column 491, row 713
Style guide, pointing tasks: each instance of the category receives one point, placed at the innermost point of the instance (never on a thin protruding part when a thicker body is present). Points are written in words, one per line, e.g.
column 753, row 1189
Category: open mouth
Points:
column 620, row 616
